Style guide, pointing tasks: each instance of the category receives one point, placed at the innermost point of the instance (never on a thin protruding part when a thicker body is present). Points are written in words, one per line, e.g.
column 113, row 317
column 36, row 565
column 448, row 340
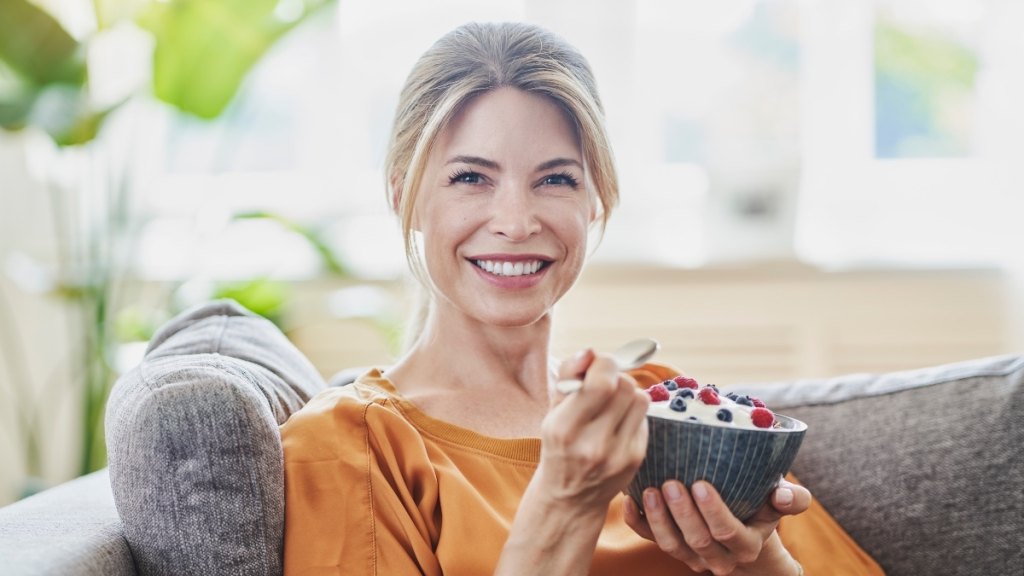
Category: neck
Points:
column 454, row 353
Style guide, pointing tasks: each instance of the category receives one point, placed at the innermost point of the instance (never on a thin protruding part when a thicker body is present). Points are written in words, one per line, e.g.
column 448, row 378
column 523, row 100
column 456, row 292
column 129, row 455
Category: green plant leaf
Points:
column 35, row 45
column 204, row 48
column 328, row 257
column 262, row 296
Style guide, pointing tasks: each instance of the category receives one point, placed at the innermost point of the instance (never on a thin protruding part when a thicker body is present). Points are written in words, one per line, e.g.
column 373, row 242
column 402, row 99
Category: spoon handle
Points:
column 569, row 386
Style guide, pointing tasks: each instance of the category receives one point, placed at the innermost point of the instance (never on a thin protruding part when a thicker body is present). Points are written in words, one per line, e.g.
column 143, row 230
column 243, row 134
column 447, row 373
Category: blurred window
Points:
column 839, row 133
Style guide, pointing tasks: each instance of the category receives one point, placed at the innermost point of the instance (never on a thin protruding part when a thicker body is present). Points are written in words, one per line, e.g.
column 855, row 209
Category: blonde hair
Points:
column 469, row 61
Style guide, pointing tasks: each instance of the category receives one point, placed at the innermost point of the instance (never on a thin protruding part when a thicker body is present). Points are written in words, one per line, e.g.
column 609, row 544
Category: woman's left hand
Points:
column 697, row 528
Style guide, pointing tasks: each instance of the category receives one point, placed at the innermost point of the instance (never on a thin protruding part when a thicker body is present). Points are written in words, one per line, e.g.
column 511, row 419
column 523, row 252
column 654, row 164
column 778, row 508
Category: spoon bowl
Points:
column 632, row 354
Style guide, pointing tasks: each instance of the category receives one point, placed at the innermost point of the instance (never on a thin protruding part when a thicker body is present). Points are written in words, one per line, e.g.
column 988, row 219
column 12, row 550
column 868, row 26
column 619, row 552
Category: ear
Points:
column 595, row 207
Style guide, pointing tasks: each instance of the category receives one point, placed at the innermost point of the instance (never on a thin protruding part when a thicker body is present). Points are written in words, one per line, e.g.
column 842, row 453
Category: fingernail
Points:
column 784, row 496
column 650, row 499
column 700, row 492
column 672, row 492
column 581, row 354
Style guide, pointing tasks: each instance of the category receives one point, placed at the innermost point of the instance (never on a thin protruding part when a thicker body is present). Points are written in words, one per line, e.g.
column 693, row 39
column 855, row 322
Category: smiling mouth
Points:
column 505, row 268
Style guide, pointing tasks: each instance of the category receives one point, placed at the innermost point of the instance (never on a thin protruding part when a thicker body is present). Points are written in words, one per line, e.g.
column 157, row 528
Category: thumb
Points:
column 574, row 368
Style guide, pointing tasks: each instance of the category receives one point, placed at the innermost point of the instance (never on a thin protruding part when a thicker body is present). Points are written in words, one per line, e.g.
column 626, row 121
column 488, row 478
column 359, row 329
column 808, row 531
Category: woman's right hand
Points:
column 592, row 441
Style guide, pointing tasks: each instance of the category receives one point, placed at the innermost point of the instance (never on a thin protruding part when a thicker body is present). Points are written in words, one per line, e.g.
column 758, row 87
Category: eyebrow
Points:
column 491, row 164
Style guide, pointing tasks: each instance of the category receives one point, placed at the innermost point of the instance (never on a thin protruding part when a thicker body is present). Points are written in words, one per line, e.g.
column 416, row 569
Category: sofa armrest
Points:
column 194, row 448
column 70, row 530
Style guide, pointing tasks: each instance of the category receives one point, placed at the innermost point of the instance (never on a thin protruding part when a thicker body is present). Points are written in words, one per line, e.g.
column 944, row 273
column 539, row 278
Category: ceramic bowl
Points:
column 744, row 465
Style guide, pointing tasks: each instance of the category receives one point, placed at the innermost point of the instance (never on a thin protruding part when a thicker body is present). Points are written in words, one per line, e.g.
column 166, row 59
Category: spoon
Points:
column 630, row 355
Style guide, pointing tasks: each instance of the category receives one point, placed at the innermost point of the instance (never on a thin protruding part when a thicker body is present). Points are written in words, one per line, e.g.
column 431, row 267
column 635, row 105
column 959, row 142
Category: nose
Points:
column 514, row 213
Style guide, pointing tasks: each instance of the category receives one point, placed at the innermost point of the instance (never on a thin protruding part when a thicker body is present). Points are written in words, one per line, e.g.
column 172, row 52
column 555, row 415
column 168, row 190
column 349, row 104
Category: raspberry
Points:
column 658, row 392
column 686, row 382
column 762, row 417
column 757, row 402
column 709, row 396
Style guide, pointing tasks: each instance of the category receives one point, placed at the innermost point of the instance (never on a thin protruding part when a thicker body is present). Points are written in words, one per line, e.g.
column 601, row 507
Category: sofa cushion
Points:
column 193, row 445
column 924, row 467
column 69, row 529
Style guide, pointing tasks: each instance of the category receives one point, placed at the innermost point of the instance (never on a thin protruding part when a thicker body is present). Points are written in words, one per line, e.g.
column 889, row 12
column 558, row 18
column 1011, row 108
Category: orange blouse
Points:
column 375, row 486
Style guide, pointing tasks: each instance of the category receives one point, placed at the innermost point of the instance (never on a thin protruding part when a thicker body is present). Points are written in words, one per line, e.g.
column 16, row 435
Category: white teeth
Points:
column 510, row 268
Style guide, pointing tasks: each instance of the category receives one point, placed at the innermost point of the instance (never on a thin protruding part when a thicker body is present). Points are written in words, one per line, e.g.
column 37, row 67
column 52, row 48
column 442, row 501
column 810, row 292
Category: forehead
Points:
column 513, row 123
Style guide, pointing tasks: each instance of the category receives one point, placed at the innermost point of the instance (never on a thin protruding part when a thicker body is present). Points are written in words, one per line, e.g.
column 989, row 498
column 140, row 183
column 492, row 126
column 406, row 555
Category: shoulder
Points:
column 325, row 427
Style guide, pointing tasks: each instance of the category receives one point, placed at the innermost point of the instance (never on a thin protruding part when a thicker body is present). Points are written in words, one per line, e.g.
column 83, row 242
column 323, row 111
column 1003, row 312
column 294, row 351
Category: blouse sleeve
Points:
column 353, row 504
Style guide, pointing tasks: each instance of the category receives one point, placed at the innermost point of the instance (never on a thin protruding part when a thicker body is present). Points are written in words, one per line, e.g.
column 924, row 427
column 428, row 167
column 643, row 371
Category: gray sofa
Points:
column 923, row 467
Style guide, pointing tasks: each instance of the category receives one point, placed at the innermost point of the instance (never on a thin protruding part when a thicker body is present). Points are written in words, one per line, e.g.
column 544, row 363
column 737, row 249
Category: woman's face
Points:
column 503, row 209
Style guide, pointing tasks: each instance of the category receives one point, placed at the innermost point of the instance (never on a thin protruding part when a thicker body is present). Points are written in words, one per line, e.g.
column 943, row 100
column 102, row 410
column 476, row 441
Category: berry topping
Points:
column 658, row 392
column 670, row 384
column 724, row 415
column 708, row 395
column 757, row 402
column 686, row 382
column 678, row 404
column 744, row 400
column 732, row 396
column 762, row 417
column 685, row 393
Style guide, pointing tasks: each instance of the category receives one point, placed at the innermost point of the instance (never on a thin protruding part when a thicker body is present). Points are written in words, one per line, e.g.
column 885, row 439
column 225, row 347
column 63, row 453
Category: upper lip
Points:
column 511, row 258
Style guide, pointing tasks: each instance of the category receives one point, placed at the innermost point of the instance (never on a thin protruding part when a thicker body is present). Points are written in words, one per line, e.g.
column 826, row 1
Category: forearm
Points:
column 546, row 539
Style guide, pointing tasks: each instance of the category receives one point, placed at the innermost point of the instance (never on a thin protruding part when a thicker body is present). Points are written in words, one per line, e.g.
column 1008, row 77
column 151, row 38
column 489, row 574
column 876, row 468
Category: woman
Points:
column 462, row 459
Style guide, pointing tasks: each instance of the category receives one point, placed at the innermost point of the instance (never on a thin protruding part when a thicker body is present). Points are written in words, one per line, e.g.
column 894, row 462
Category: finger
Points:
column 787, row 499
column 725, row 530
column 631, row 513
column 790, row 498
column 632, row 424
column 576, row 366
column 695, row 529
column 666, row 531
column 600, row 385
column 588, row 419
column 615, row 431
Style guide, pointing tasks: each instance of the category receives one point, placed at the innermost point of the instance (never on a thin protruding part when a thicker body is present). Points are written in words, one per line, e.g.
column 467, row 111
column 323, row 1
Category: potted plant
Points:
column 202, row 51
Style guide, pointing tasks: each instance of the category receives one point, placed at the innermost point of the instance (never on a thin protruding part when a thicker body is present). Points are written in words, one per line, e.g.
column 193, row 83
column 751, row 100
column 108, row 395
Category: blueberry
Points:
column 684, row 393
column 732, row 396
column 670, row 384
column 678, row 404
column 724, row 415
column 694, row 418
column 744, row 400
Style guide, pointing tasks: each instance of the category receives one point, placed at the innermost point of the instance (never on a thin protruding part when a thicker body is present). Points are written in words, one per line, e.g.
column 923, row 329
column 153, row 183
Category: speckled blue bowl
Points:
column 744, row 465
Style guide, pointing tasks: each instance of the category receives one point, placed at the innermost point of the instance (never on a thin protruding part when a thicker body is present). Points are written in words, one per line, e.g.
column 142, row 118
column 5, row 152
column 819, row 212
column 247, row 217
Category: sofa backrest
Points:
column 193, row 443
column 923, row 467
